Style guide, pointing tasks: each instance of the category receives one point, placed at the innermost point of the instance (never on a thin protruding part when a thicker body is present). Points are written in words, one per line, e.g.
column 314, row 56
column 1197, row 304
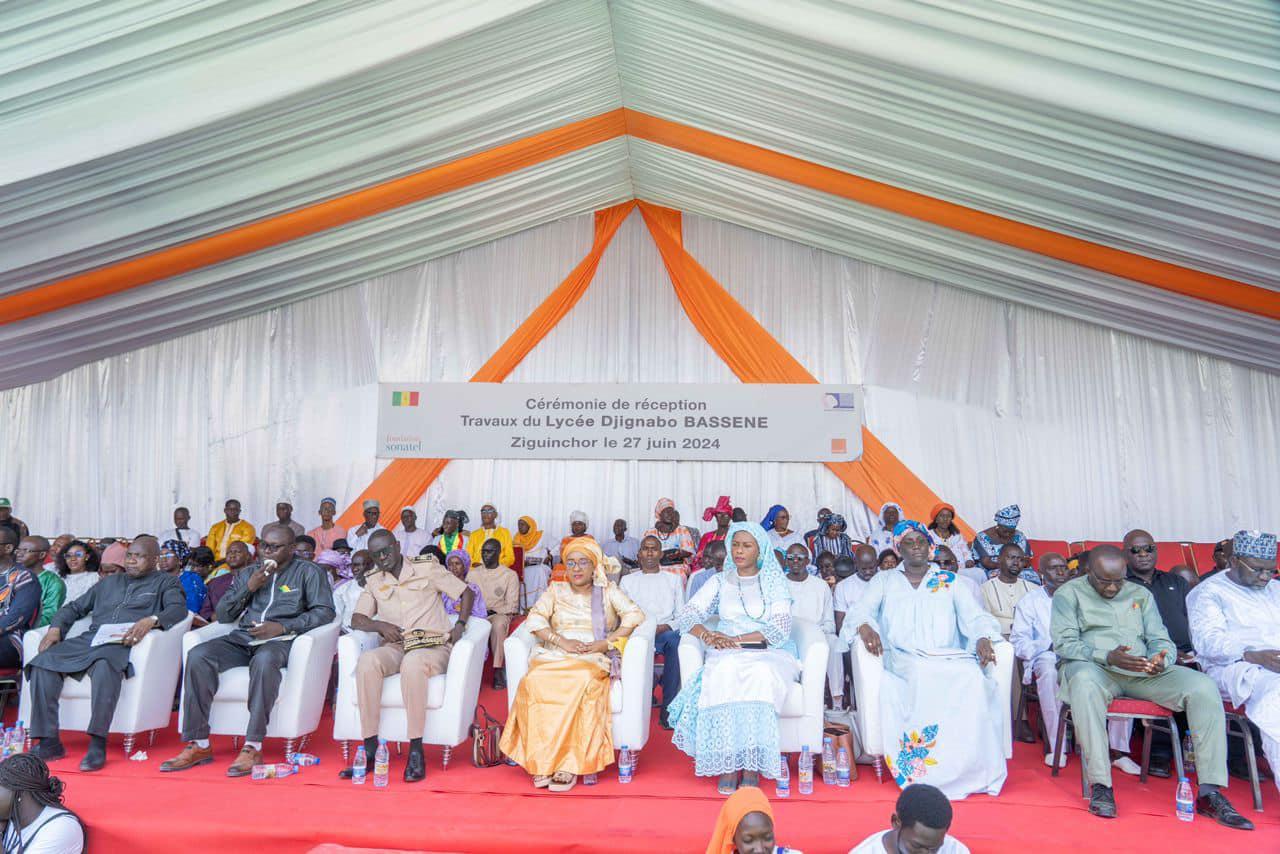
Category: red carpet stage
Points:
column 131, row 806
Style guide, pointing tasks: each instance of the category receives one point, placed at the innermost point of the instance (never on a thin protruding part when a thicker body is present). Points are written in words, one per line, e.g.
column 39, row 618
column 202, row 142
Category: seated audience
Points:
column 726, row 717
column 811, row 536
column 19, row 602
column 739, row 515
column 55, row 549
column 31, row 810
column 826, row 566
column 943, row 532
column 678, row 544
column 350, row 584
column 559, row 725
column 888, row 559
column 713, row 558
column 849, row 590
column 947, row 709
column 458, row 562
column 1002, row 591
column 272, row 602
column 1221, row 558
column 218, row 582
column 452, row 534
column 174, row 555
column 501, row 589
column 919, row 825
column 341, row 545
column 882, row 540
column 1188, row 575
column 745, row 826
column 1235, row 625
column 336, row 565
column 1033, row 645
column 284, row 516
column 986, row 546
column 402, row 603
column 141, row 596
column 832, row 539
column 1101, row 658
column 30, row 554
column 201, row 562
column 660, row 595
column 722, row 512
column 13, row 523
column 622, row 548
column 537, row 560
column 305, row 548
column 230, row 529
column 328, row 532
column 776, row 524
column 112, row 560
column 371, row 511
column 811, row 599
column 490, row 530
column 946, row 560
column 78, row 565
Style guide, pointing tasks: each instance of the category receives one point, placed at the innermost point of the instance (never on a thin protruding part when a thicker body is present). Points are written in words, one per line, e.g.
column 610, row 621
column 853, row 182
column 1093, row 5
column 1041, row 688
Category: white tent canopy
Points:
column 129, row 127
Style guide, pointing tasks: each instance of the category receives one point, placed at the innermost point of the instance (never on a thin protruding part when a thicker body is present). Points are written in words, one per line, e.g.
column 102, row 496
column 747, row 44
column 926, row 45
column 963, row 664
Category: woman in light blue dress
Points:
column 726, row 717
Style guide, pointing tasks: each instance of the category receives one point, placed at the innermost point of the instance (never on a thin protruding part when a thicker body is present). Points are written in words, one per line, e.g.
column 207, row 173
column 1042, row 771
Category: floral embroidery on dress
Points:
column 913, row 758
column 941, row 580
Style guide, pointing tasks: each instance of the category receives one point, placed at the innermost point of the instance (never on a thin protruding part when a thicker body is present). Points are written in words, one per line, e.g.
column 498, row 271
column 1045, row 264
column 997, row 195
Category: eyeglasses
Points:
column 1142, row 550
column 797, row 559
column 26, row 551
column 579, row 564
column 384, row 553
column 77, row 555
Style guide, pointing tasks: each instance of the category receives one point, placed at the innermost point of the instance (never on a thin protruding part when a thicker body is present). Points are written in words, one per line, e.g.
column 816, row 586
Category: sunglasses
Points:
column 1142, row 550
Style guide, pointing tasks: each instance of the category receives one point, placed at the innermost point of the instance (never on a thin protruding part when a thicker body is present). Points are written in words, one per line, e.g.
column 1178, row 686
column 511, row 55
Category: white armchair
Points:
column 868, row 670
column 303, row 686
column 630, row 697
column 451, row 697
column 146, row 699
column 801, row 720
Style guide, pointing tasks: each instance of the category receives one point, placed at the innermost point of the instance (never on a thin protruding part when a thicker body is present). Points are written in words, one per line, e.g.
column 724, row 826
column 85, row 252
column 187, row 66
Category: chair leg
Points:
column 1251, row 757
column 128, row 743
column 303, row 744
column 151, row 738
column 1176, row 738
column 1146, row 753
column 444, row 756
column 288, row 748
column 1063, row 715
column 397, row 748
column 346, row 752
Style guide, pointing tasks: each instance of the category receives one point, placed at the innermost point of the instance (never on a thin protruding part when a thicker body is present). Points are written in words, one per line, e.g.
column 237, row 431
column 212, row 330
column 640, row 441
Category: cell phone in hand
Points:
column 753, row 645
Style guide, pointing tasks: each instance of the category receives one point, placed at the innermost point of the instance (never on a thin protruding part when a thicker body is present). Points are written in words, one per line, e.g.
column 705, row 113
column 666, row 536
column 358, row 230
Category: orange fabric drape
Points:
column 314, row 218
column 1042, row 241
column 755, row 356
column 403, row 481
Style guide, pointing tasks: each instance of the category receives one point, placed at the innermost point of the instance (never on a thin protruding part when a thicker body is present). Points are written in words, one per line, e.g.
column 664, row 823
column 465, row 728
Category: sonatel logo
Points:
column 402, row 444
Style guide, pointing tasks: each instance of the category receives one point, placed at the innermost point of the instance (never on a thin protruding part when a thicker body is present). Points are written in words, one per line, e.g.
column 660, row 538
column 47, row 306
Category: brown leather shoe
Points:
column 243, row 766
column 190, row 757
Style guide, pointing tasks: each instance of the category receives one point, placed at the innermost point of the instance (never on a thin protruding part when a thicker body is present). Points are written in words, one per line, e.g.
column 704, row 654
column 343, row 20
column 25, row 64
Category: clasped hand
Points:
column 1120, row 657
column 577, row 647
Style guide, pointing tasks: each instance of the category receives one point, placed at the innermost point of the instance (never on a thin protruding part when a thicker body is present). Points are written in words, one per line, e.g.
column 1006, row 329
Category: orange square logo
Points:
column 839, row 446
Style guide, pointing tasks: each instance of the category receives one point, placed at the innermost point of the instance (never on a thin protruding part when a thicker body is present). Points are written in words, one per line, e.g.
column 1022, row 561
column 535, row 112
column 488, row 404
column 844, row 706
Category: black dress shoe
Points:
column 415, row 767
column 1102, row 803
column 664, row 720
column 49, row 749
column 1160, row 767
column 1217, row 807
column 1240, row 771
column 96, row 756
column 499, row 679
column 344, row 774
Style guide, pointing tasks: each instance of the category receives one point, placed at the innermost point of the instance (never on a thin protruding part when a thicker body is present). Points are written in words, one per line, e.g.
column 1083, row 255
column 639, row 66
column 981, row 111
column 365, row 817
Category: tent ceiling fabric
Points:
column 127, row 127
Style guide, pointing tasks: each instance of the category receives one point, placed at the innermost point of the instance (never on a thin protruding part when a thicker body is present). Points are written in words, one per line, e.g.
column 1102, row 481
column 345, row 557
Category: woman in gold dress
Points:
column 559, row 726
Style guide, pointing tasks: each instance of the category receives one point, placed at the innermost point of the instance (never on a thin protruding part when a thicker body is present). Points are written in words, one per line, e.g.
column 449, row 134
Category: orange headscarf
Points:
column 747, row 799
column 529, row 540
column 938, row 508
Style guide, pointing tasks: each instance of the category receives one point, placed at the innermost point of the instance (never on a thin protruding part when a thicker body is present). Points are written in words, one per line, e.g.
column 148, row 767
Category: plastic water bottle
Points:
column 20, row 739
column 1189, row 754
column 6, row 742
column 359, row 767
column 842, row 768
column 1186, row 801
column 784, row 778
column 804, row 771
column 828, row 761
column 626, row 765
column 303, row 759
column 590, row 779
column 381, row 766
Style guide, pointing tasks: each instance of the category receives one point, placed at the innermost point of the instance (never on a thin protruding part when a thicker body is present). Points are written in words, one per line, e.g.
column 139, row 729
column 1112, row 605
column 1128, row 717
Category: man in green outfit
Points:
column 1111, row 643
column 53, row 591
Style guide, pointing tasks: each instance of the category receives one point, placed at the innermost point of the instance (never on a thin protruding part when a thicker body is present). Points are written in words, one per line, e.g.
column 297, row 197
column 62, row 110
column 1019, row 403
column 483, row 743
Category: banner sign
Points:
column 620, row 421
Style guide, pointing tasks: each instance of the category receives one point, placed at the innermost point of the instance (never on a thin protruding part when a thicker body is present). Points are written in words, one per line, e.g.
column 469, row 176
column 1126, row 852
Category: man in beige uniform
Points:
column 404, row 597
column 500, row 588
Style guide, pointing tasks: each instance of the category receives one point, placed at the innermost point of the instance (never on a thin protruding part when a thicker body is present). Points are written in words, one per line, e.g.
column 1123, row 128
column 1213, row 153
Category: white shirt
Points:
column 358, row 542
column 1000, row 599
column 78, row 583
column 784, row 543
column 659, row 594
column 413, row 542
column 1228, row 620
column 190, row 535
column 811, row 600
column 55, row 831
column 848, row 591
column 874, row 844
column 1030, row 635
column 628, row 548
column 344, row 601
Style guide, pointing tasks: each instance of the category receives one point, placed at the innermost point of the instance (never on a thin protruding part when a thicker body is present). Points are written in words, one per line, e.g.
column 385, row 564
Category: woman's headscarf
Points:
column 773, row 581
column 771, row 516
column 114, row 554
column 746, row 800
column 900, row 530
column 181, row 550
column 462, row 555
column 886, row 506
column 529, row 540
column 663, row 504
column 341, row 563
column 938, row 508
column 833, row 519
column 1009, row 517
column 604, row 565
column 460, row 516
column 722, row 505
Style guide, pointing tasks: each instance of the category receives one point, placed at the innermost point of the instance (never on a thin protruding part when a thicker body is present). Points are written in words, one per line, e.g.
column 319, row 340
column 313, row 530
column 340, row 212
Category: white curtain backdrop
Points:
column 1091, row 430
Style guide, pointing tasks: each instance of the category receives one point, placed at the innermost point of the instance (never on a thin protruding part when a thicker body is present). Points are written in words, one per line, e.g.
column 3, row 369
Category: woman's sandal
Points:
column 562, row 781
column 541, row 782
column 728, row 784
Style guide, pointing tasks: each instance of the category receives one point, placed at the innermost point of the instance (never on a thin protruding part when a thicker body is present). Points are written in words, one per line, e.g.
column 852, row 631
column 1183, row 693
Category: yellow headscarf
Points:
column 604, row 565
column 529, row 540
